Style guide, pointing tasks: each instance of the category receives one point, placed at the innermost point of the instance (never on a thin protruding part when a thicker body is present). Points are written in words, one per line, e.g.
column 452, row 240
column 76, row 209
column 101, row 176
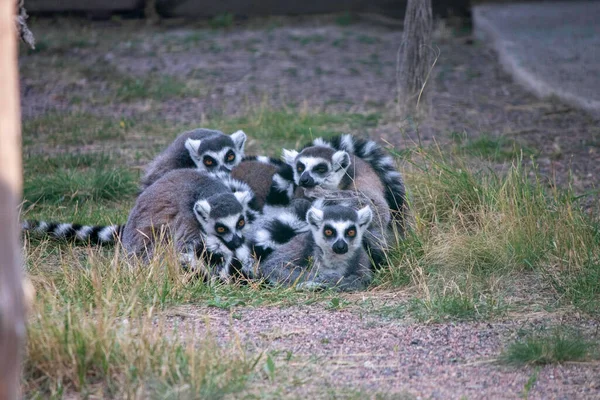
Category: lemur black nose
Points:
column 307, row 181
column 224, row 169
column 340, row 247
column 235, row 242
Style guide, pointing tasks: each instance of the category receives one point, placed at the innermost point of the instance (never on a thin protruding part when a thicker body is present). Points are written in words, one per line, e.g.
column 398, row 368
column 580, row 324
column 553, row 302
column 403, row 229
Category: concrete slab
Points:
column 552, row 48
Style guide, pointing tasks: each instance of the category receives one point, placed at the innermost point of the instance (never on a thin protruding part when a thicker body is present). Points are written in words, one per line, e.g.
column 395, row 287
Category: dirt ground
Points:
column 318, row 65
column 364, row 355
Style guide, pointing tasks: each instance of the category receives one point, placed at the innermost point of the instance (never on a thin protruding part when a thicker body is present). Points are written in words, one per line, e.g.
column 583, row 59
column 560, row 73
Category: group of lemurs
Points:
column 321, row 218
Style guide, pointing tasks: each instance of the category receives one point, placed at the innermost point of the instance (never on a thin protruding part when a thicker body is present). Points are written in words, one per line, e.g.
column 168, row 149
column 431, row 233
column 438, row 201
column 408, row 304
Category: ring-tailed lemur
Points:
column 353, row 172
column 349, row 163
column 204, row 215
column 203, row 149
column 330, row 255
column 271, row 180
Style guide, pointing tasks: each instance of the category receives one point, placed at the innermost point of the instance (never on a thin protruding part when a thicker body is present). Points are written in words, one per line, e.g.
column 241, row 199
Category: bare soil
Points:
column 358, row 350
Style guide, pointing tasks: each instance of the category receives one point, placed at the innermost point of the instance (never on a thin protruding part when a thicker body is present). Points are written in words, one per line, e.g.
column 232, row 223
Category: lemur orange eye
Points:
column 208, row 161
column 241, row 223
column 351, row 233
column 230, row 157
column 221, row 229
column 300, row 167
column 328, row 232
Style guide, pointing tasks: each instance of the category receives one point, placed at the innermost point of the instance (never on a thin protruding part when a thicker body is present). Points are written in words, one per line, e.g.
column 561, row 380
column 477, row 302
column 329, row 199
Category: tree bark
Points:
column 12, row 320
column 415, row 55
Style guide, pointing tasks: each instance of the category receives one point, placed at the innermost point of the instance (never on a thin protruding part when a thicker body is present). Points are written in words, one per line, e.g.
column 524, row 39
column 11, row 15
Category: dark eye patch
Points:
column 351, row 231
column 221, row 229
column 329, row 231
column 300, row 167
column 230, row 156
column 209, row 161
column 321, row 168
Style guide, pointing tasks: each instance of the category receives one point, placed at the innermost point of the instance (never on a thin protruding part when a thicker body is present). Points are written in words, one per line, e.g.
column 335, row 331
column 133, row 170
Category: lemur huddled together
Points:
column 321, row 218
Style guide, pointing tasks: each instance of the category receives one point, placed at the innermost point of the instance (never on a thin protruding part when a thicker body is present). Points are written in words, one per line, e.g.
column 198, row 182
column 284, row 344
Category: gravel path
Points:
column 349, row 349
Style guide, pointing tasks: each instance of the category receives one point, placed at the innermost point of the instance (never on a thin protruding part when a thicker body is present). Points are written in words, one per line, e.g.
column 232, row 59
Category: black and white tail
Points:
column 104, row 235
column 282, row 188
column 382, row 163
column 278, row 229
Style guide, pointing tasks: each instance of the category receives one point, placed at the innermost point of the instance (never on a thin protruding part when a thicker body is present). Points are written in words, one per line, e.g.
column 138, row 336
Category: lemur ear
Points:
column 192, row 145
column 202, row 209
column 314, row 216
column 239, row 139
column 243, row 197
column 289, row 156
column 365, row 215
column 342, row 159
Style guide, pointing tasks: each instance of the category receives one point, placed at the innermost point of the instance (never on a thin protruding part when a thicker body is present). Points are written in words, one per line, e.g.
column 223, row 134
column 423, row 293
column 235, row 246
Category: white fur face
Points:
column 338, row 230
column 311, row 171
column 222, row 160
column 228, row 230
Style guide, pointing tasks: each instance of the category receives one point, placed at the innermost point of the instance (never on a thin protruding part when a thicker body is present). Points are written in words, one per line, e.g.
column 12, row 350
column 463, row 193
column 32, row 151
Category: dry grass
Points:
column 96, row 328
column 476, row 232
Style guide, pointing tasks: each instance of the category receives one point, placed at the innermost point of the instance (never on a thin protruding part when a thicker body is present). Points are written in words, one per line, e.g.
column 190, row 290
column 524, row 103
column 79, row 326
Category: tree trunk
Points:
column 12, row 324
column 415, row 55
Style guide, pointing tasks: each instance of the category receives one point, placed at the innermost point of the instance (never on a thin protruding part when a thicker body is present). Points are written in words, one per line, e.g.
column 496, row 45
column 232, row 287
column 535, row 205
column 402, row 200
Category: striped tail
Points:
column 382, row 163
column 104, row 235
column 282, row 188
column 278, row 229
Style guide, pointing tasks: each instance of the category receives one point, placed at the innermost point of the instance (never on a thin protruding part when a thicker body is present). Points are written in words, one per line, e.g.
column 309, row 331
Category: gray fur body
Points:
column 189, row 150
column 315, row 260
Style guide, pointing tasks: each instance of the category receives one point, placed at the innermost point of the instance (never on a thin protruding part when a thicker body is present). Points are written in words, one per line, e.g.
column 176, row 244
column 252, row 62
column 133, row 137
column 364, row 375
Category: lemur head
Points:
column 318, row 166
column 217, row 152
column 338, row 230
column 224, row 216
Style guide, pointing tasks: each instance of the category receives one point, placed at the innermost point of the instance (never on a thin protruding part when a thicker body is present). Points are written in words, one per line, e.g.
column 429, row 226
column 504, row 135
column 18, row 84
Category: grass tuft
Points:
column 90, row 185
column 540, row 349
column 476, row 230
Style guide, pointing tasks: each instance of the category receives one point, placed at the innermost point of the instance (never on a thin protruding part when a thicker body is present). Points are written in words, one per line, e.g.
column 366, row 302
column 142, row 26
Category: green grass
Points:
column 345, row 19
column 582, row 289
column 81, row 188
column 491, row 148
column 530, row 383
column 71, row 129
column 224, row 20
column 559, row 346
column 273, row 130
column 440, row 308
column 476, row 233
column 153, row 87
column 91, row 185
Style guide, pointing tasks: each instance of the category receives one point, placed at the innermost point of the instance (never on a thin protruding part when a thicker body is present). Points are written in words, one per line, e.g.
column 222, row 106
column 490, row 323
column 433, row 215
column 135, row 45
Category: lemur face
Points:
column 318, row 166
column 219, row 153
column 223, row 216
column 338, row 230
